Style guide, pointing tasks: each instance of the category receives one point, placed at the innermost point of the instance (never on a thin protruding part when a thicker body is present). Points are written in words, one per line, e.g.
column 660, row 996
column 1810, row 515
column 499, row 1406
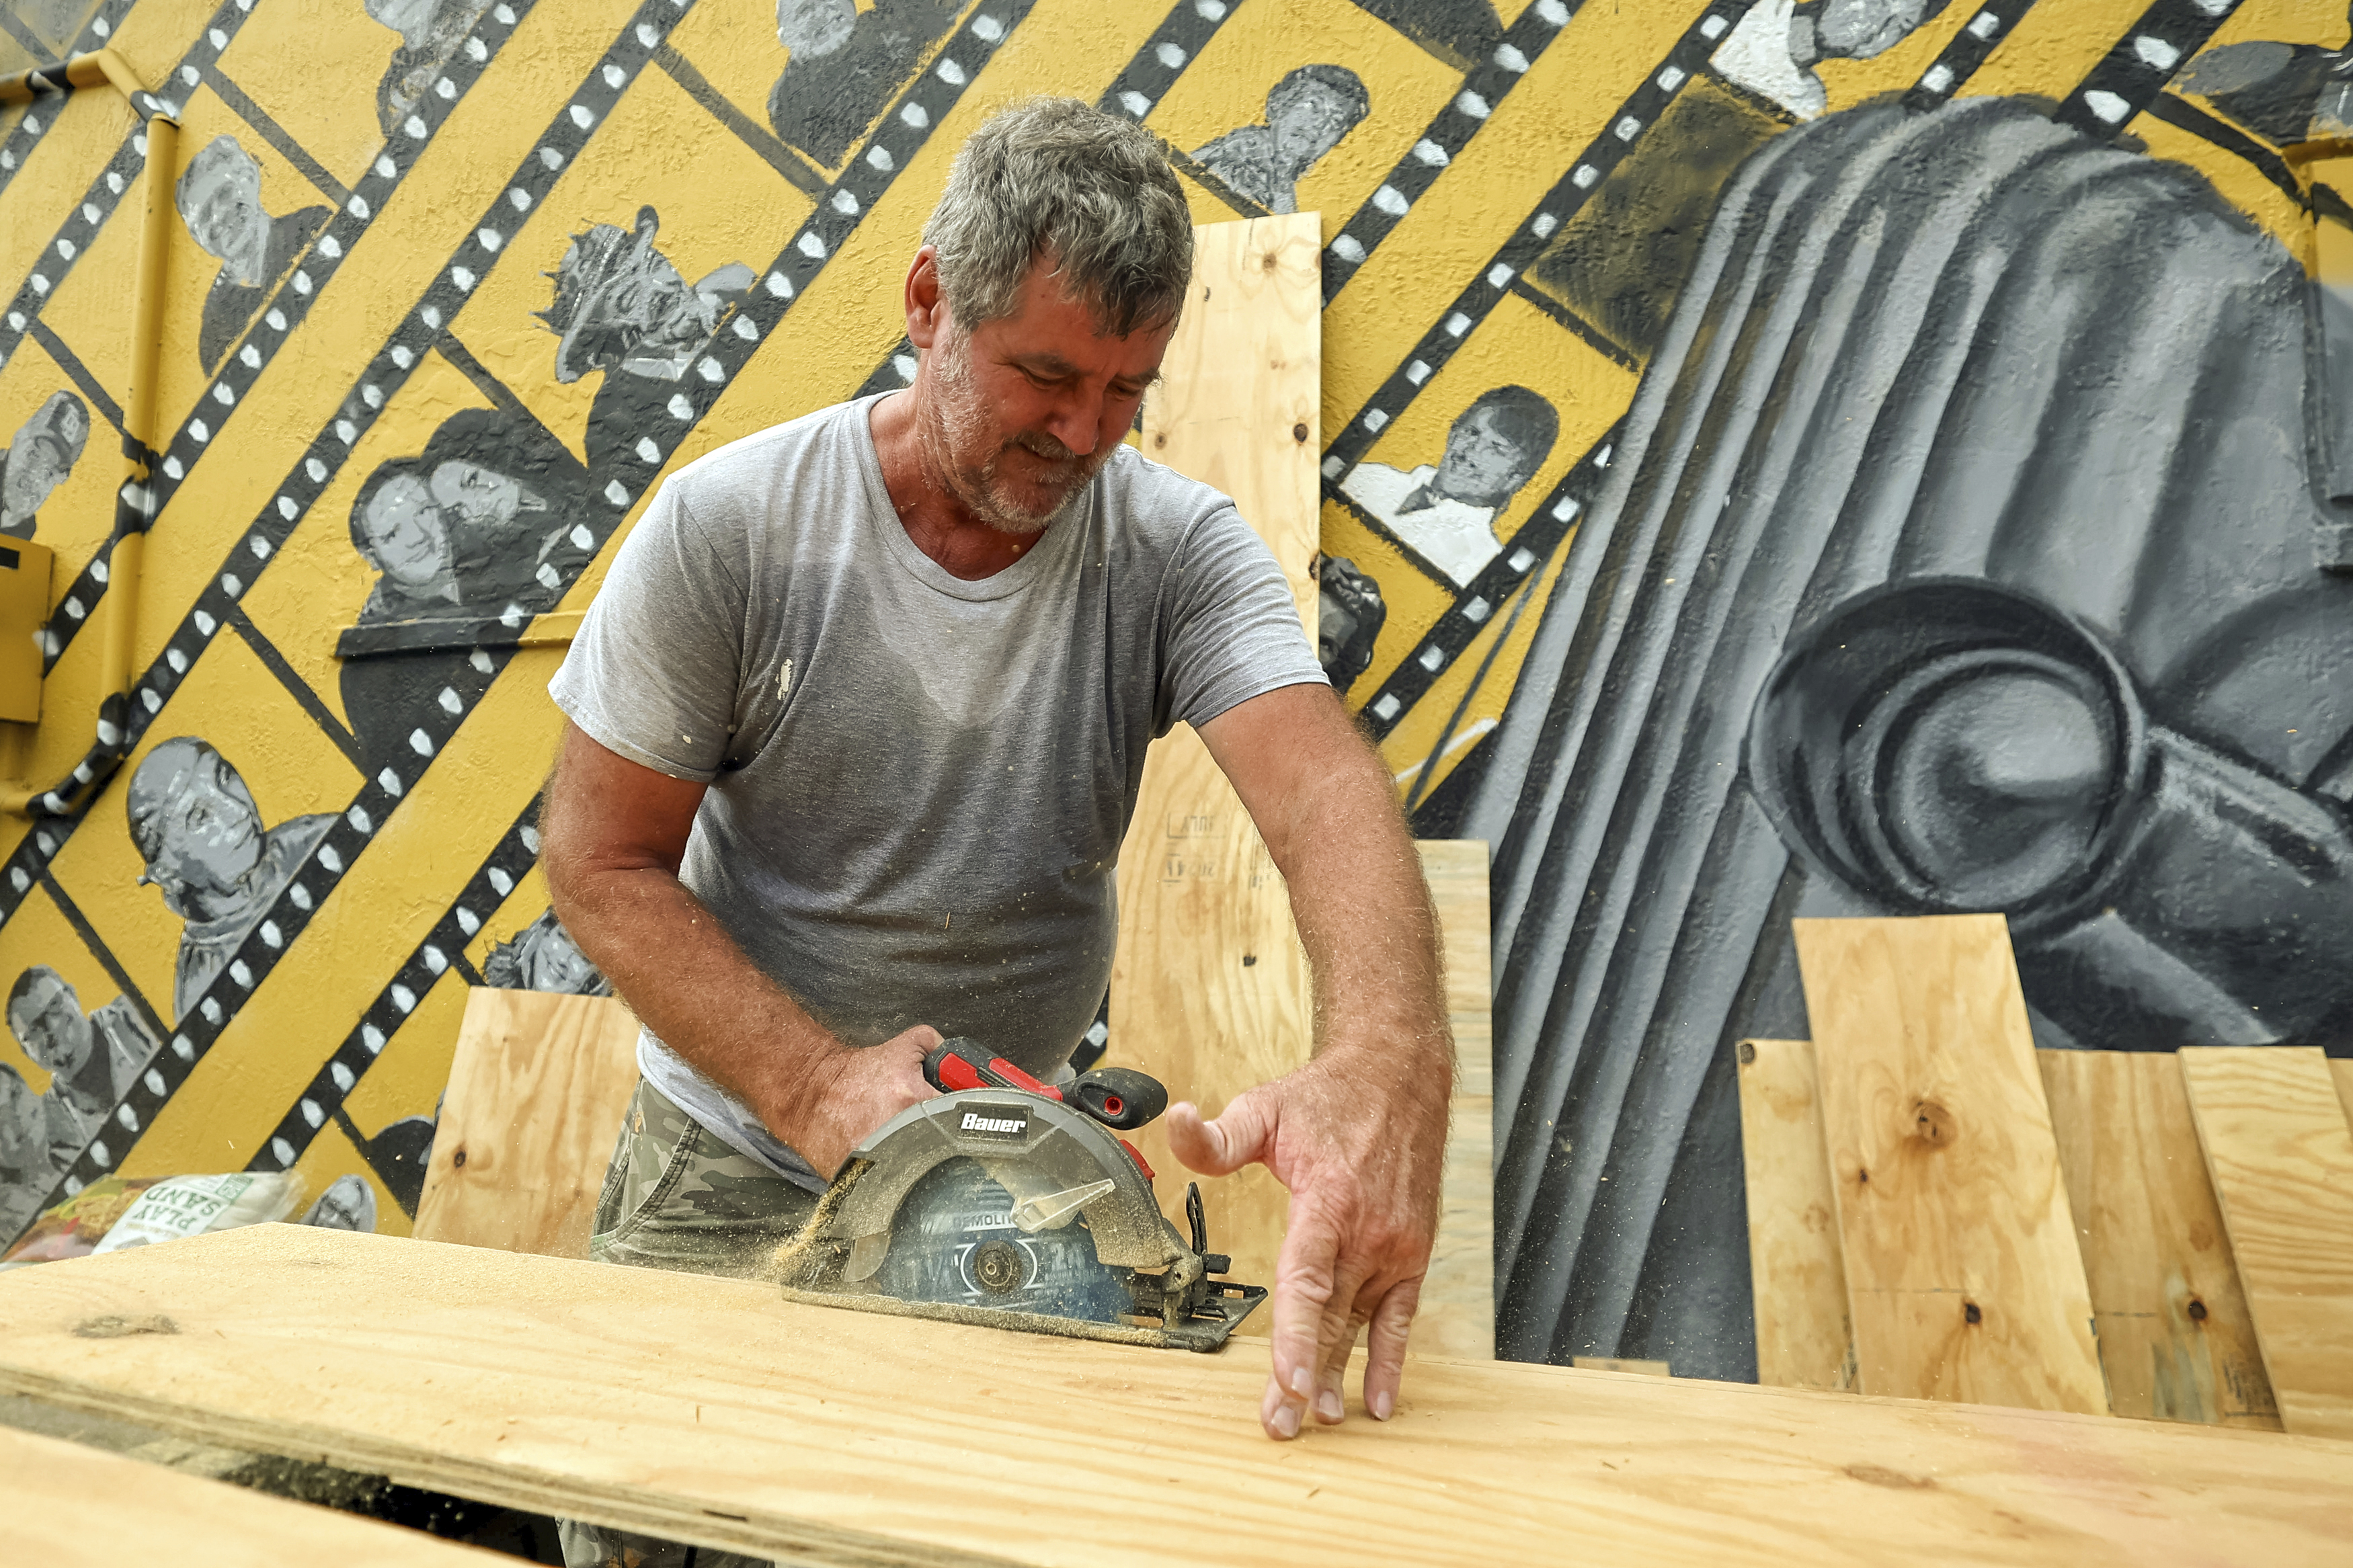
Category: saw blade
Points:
column 956, row 1240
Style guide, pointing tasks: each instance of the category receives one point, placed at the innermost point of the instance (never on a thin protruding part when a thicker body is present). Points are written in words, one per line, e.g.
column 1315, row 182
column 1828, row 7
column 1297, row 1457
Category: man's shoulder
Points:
column 1152, row 505
column 748, row 471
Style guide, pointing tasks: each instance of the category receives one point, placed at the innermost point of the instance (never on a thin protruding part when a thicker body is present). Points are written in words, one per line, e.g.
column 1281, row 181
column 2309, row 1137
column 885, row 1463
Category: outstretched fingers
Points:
column 1385, row 1361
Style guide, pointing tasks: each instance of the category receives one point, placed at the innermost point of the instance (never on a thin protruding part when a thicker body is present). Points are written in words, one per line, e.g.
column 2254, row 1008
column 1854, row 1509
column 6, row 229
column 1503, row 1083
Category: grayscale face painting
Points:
column 39, row 458
column 1445, row 512
column 1307, row 114
column 621, row 305
column 220, row 196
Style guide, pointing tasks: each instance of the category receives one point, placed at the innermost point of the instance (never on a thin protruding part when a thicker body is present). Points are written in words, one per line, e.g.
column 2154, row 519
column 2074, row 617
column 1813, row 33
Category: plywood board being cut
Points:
column 64, row 1506
column 1963, row 1278
column 1210, row 988
column 709, row 1411
column 1457, row 1316
column 536, row 1092
column 2175, row 1337
column 2281, row 1159
column 1795, row 1269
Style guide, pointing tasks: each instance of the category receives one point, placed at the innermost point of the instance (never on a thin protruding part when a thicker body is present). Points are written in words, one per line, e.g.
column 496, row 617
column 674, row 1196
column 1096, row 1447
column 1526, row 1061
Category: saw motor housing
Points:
column 1060, row 1168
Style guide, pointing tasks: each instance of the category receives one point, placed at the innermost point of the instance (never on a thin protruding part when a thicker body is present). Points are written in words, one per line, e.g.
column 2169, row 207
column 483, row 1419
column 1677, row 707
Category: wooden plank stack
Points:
column 2186, row 1218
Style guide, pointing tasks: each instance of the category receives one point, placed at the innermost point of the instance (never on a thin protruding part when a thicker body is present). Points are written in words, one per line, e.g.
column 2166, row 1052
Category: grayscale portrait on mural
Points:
column 219, row 198
column 1445, row 512
column 1308, row 113
column 431, row 31
column 543, row 957
column 91, row 1058
column 39, row 459
column 623, row 310
column 1775, row 47
column 1348, row 618
column 208, row 851
column 843, row 66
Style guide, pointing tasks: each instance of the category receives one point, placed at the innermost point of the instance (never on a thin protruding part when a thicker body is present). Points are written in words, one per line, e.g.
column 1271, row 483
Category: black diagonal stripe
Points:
column 2185, row 116
column 795, row 168
column 89, row 385
column 2138, row 65
column 293, row 152
column 1969, row 48
column 1446, row 136
column 1479, row 297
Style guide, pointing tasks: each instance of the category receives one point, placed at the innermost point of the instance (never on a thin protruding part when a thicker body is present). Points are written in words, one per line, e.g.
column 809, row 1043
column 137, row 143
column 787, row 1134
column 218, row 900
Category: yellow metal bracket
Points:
column 137, row 508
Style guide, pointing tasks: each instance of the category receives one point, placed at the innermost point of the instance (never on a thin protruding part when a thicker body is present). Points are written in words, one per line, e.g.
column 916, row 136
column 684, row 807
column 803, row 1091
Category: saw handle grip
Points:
column 1119, row 1098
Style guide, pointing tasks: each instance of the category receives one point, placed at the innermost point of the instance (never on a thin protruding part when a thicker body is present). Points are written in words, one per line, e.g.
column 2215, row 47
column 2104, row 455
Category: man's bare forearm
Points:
column 688, row 980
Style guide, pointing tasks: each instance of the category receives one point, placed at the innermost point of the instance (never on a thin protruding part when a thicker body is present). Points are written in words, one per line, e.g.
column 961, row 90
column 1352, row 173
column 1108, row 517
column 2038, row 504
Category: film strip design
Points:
column 285, row 310
column 1182, row 35
column 508, row 862
column 2128, row 80
column 867, row 177
column 1483, row 294
column 17, row 146
column 1444, row 140
column 105, row 193
column 1514, row 567
column 1969, row 48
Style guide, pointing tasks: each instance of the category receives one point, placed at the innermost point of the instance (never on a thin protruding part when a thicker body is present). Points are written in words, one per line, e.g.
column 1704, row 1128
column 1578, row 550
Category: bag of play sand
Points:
column 191, row 1205
column 75, row 1226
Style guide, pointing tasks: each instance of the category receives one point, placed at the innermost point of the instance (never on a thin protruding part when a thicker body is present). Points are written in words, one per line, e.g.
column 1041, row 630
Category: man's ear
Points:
column 926, row 309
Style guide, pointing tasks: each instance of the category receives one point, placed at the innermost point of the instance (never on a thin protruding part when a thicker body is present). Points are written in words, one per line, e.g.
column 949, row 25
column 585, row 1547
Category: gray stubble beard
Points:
column 958, row 420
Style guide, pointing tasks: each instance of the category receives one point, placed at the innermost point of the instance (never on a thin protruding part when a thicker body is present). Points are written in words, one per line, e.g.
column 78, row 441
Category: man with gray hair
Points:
column 858, row 724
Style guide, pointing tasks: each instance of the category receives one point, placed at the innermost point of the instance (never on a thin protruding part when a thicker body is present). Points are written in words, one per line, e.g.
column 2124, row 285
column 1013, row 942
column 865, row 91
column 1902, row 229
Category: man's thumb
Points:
column 1243, row 1134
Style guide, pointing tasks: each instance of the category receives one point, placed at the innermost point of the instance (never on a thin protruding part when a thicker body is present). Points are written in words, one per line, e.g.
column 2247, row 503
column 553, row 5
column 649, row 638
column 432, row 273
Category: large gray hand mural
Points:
column 1956, row 554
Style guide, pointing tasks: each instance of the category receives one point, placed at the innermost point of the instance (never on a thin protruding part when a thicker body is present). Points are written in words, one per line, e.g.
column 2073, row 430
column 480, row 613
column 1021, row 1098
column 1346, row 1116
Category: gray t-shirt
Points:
column 918, row 785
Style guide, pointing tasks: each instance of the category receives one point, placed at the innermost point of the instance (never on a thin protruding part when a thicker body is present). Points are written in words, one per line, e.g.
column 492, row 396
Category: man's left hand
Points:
column 1359, row 1138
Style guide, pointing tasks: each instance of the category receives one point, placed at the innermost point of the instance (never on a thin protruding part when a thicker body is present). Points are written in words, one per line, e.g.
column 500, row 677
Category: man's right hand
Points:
column 857, row 1091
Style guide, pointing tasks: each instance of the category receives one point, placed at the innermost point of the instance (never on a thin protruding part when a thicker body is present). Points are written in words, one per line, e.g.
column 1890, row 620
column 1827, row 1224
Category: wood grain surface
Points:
column 709, row 1411
column 1795, row 1268
column 1210, row 988
column 1457, row 1317
column 2175, row 1337
column 1963, row 1278
column 534, row 1104
column 2281, row 1159
column 64, row 1506
column 2341, row 1069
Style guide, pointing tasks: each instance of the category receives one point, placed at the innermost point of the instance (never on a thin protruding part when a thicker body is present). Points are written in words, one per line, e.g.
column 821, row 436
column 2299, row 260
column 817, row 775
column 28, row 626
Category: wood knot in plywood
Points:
column 1972, row 1312
column 115, row 1326
column 1880, row 1475
column 1933, row 1125
column 1299, row 432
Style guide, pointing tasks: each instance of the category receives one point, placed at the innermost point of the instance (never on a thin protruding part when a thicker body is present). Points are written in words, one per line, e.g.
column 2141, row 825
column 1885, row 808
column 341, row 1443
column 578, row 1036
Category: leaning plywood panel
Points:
column 2342, row 1070
column 1457, row 1317
column 2175, row 1337
column 64, row 1506
column 2281, row 1158
column 1209, row 990
column 712, row 1412
column 1795, row 1270
column 534, row 1104
column 1963, row 1278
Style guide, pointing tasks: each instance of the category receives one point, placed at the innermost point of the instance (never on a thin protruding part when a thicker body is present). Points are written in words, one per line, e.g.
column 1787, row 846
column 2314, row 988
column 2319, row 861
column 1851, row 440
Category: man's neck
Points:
column 941, row 526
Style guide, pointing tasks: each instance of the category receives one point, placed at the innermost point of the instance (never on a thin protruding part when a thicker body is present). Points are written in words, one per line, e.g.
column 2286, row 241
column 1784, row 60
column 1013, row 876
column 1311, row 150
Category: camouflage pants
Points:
column 677, row 1197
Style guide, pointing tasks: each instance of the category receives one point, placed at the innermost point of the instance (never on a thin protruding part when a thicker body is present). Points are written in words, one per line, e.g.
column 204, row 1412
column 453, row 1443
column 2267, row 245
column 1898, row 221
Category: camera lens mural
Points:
column 1785, row 457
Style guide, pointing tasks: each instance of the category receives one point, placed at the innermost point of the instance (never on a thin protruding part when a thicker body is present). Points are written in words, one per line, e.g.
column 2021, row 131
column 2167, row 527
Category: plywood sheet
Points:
column 1795, row 1268
column 1457, row 1317
column 534, row 1104
column 1210, row 989
column 2281, row 1159
column 70, row 1507
column 1963, row 1278
column 709, row 1411
column 2175, row 1337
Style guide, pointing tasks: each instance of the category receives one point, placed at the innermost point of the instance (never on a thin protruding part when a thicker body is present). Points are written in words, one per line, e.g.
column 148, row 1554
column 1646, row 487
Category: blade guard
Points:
column 1032, row 1147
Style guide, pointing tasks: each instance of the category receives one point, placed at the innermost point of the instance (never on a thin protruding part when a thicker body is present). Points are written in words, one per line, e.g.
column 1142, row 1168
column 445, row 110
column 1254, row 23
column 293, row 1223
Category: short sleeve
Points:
column 1230, row 630
column 652, row 672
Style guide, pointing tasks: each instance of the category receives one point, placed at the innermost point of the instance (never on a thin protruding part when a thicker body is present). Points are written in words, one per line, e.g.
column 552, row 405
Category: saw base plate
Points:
column 1220, row 1315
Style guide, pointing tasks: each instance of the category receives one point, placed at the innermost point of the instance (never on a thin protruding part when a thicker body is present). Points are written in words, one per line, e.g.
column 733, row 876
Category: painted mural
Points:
column 1783, row 457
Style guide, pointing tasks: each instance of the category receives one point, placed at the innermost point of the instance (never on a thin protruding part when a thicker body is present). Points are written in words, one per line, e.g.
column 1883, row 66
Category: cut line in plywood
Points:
column 2281, row 1158
column 1457, row 1314
column 1796, row 1271
column 536, row 1093
column 2176, row 1338
column 1963, row 1281
column 1209, row 987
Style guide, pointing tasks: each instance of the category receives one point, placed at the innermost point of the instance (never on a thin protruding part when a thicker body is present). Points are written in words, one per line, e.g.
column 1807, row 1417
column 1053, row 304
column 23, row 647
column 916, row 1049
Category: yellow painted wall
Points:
column 1515, row 207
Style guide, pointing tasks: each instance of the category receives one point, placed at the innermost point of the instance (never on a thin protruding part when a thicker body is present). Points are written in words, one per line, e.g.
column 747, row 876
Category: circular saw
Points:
column 1015, row 1203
